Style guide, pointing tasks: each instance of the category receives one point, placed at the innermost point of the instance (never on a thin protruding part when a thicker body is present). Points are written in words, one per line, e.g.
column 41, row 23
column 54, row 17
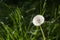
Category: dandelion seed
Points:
column 38, row 20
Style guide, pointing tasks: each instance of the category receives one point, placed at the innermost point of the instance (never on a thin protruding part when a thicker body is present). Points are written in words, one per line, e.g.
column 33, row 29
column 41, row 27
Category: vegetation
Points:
column 16, row 19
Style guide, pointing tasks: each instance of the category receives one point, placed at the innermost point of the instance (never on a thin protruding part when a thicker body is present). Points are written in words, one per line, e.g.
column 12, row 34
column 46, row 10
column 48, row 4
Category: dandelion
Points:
column 38, row 20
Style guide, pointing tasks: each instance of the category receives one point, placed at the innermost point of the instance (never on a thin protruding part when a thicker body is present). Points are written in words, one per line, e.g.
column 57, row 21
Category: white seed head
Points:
column 38, row 20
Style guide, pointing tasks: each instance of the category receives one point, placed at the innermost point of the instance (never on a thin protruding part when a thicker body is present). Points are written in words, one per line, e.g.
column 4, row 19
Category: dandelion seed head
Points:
column 38, row 20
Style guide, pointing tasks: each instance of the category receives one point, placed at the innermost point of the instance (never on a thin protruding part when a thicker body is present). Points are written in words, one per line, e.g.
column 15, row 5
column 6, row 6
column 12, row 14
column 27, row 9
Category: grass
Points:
column 16, row 27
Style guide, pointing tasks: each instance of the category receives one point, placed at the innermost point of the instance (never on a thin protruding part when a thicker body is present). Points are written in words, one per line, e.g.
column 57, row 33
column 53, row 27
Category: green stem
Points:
column 42, row 33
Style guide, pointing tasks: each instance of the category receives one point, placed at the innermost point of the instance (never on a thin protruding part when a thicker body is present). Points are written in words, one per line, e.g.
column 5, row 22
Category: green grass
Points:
column 19, row 24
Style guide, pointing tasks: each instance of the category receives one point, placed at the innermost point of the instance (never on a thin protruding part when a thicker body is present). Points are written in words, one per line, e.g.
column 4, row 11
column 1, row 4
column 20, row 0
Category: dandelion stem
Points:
column 42, row 33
